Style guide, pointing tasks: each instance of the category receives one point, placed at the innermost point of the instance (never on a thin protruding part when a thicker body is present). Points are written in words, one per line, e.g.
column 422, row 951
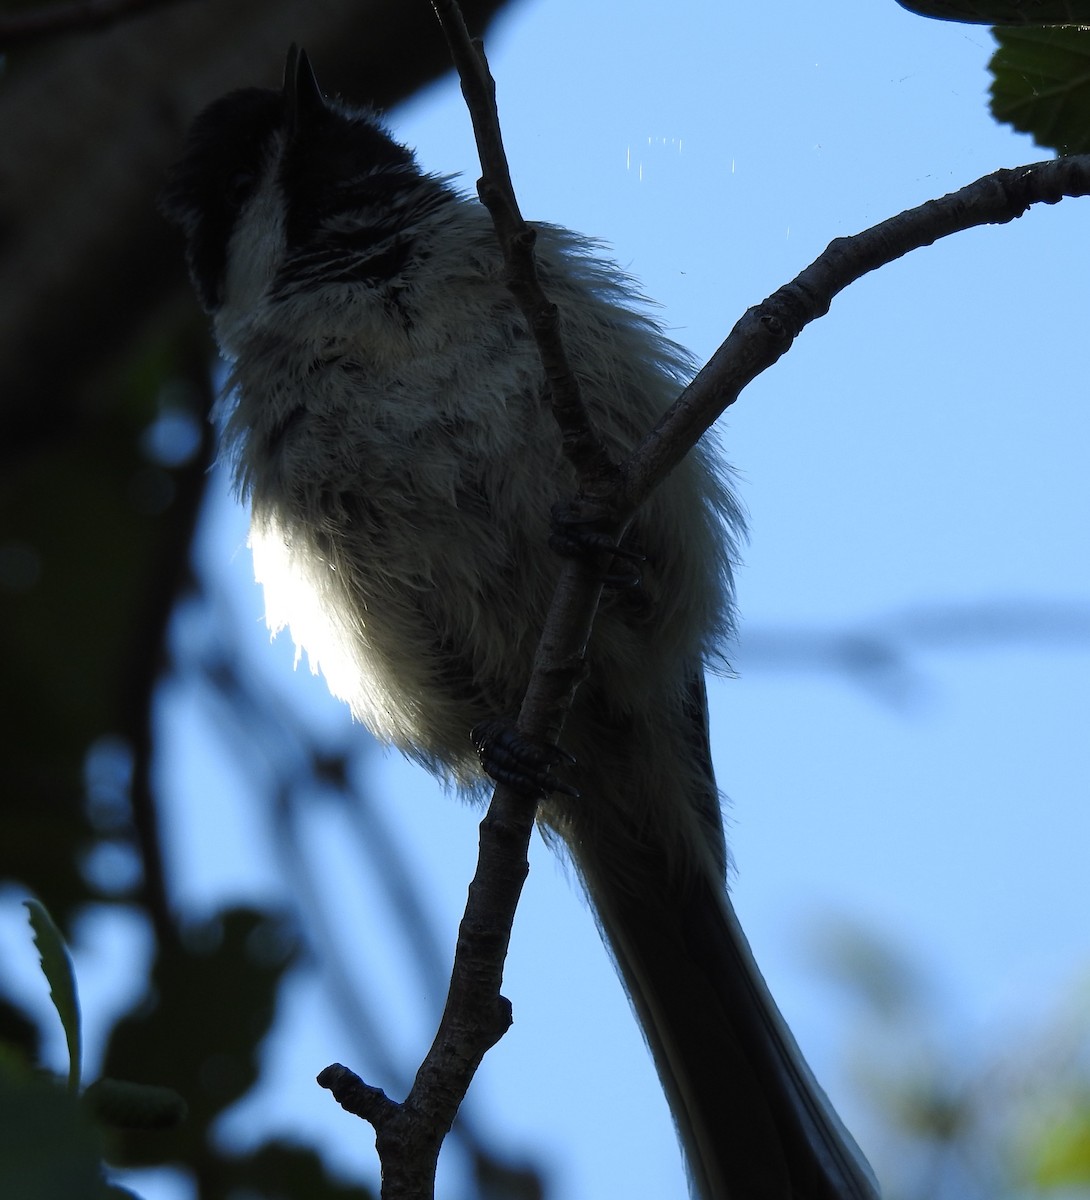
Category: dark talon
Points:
column 510, row 757
column 578, row 536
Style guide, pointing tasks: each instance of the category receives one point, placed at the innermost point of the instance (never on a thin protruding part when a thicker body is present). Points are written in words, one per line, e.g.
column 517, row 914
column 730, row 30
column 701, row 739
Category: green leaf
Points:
column 49, row 1147
column 57, row 969
column 1061, row 1157
column 1041, row 85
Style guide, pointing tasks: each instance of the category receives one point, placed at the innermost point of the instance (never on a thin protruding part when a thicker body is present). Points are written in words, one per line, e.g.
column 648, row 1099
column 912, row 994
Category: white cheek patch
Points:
column 254, row 255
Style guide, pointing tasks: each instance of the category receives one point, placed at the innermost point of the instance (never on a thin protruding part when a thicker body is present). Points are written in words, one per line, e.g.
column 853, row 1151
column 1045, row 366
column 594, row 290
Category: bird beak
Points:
column 302, row 95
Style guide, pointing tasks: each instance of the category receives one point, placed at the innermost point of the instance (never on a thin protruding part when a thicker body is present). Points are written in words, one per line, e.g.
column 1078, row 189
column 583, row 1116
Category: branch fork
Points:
column 476, row 1014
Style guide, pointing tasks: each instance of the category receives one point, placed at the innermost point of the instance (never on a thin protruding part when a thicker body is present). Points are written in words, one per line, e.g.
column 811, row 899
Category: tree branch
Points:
column 582, row 445
column 28, row 25
column 476, row 1015
column 766, row 331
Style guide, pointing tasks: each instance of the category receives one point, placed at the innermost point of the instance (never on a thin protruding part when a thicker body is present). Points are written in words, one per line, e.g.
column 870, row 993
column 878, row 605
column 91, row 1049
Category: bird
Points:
column 387, row 418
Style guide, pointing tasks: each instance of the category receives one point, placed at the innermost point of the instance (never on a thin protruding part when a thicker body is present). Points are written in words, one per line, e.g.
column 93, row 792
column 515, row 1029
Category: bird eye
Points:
column 239, row 187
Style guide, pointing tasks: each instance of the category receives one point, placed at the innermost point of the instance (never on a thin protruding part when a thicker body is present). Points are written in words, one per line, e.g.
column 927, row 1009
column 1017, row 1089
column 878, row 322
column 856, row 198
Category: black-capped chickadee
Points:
column 387, row 418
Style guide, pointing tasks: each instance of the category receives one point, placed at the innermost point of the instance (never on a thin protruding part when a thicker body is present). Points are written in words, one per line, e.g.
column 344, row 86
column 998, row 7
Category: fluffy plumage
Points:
column 388, row 423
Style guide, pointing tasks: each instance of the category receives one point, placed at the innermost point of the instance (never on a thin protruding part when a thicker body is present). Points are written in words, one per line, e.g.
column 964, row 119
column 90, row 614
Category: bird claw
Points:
column 510, row 757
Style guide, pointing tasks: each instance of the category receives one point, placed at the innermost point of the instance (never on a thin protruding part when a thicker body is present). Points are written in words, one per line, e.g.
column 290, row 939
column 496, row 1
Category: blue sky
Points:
column 920, row 451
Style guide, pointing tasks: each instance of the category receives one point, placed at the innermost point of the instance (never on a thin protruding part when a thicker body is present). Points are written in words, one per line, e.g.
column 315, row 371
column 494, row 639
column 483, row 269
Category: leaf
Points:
column 125, row 1105
column 211, row 1001
column 1003, row 12
column 49, row 1148
column 1041, row 85
column 1061, row 1157
column 57, row 969
column 283, row 1169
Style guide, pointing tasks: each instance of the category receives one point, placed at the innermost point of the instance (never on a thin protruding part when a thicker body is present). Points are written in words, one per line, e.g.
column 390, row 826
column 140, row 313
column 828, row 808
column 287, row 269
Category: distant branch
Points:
column 880, row 655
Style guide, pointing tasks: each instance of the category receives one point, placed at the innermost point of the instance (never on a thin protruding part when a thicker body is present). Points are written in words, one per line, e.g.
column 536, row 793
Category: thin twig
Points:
column 584, row 448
